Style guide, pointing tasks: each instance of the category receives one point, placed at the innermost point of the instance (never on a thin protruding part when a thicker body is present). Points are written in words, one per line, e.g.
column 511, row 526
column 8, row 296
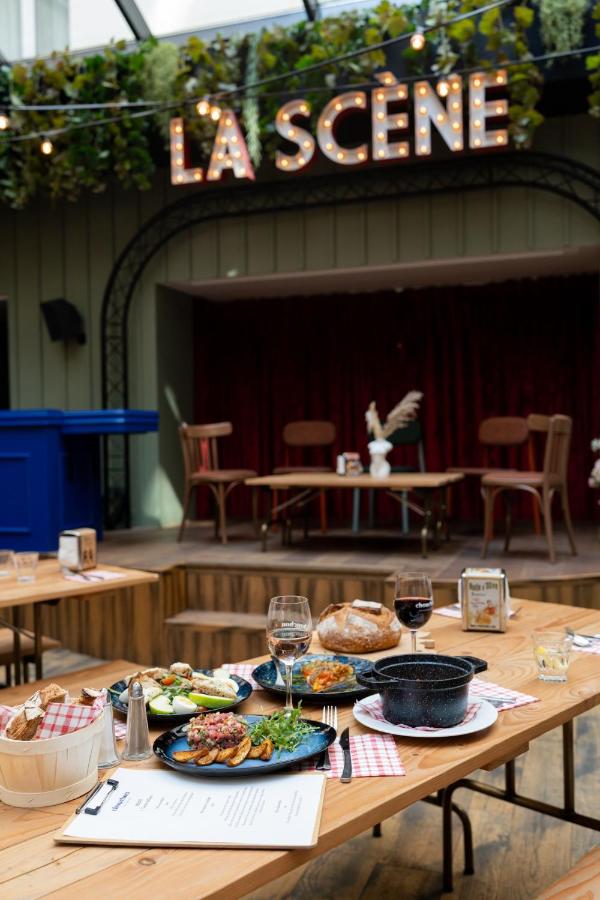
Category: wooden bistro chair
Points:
column 537, row 424
column 542, row 485
column 298, row 437
column 201, row 467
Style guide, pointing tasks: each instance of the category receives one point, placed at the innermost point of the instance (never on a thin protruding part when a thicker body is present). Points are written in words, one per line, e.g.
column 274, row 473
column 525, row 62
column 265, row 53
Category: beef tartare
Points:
column 216, row 730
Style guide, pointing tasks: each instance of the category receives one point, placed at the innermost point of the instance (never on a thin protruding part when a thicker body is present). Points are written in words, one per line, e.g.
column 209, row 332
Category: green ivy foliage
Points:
column 91, row 155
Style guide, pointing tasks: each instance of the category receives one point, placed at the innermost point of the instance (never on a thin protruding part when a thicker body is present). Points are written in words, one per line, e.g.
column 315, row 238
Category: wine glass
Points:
column 289, row 632
column 413, row 602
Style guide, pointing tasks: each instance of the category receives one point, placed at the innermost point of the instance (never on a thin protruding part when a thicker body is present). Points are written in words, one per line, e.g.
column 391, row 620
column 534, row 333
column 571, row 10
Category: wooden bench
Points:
column 208, row 638
column 27, row 650
column 582, row 882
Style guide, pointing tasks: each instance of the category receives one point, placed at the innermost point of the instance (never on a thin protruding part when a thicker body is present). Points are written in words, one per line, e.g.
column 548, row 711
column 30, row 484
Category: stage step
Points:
column 208, row 638
column 582, row 882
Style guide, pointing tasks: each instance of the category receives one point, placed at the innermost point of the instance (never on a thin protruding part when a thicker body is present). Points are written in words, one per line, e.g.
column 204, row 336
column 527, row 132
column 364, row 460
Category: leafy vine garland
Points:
column 128, row 145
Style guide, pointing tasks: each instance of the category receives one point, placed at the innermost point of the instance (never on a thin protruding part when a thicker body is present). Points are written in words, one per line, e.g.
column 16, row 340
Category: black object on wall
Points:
column 63, row 321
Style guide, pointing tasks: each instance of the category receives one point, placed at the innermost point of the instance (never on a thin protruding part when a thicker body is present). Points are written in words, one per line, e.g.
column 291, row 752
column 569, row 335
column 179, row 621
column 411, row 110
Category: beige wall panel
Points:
column 350, row 236
column 289, row 242
column 414, row 229
column 548, row 224
column 512, row 216
column 232, row 247
column 51, row 269
column 261, row 244
column 76, row 229
column 319, row 238
column 446, row 226
column 480, row 223
column 205, row 251
column 28, row 342
column 100, row 263
column 179, row 257
column 381, row 237
column 9, row 287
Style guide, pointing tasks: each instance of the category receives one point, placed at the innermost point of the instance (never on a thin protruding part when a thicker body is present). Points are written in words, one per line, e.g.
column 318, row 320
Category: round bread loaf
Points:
column 358, row 627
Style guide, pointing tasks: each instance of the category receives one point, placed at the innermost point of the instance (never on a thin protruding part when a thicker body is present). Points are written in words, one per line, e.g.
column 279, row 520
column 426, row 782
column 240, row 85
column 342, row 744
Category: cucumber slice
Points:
column 160, row 706
column 209, row 701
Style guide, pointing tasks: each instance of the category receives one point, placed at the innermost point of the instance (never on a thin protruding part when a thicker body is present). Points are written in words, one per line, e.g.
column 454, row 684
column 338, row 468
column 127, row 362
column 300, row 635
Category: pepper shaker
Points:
column 109, row 755
column 137, row 742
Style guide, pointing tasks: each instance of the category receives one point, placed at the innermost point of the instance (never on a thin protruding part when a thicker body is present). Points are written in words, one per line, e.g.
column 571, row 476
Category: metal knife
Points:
column 345, row 745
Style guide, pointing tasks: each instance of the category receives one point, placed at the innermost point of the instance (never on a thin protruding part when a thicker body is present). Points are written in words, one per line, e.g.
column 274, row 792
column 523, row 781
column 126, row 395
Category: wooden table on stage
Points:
column 50, row 585
column 31, row 864
column 427, row 485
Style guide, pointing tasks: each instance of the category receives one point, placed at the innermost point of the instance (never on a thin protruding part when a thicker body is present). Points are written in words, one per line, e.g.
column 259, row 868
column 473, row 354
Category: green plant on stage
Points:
column 89, row 156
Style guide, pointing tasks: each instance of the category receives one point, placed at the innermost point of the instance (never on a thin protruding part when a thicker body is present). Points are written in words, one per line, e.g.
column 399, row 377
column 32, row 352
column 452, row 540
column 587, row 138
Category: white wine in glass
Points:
column 289, row 632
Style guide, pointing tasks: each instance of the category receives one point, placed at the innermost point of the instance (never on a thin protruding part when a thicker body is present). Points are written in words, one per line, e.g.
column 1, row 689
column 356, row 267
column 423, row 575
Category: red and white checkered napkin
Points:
column 63, row 718
column 374, row 708
column 594, row 647
column 244, row 670
column 372, row 754
column 59, row 718
column 120, row 729
column 512, row 699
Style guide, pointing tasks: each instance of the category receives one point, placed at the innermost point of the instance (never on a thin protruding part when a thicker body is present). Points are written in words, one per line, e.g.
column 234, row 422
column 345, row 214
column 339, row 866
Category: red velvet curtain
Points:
column 475, row 351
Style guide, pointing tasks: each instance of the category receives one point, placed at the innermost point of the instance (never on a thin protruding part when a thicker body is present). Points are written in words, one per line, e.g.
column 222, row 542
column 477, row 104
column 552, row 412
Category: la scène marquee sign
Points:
column 440, row 106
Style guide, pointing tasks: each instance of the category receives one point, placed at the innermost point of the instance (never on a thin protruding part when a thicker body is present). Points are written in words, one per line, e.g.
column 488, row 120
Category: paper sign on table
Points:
column 157, row 808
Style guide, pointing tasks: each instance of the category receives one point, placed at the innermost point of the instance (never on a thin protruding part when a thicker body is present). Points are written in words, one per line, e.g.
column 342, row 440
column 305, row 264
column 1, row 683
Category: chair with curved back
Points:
column 542, row 485
column 537, row 424
column 502, row 432
column 298, row 437
column 201, row 467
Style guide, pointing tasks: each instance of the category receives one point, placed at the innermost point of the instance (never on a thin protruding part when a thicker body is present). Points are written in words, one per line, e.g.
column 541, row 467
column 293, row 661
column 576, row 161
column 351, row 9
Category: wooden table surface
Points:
column 32, row 865
column 50, row 584
column 394, row 482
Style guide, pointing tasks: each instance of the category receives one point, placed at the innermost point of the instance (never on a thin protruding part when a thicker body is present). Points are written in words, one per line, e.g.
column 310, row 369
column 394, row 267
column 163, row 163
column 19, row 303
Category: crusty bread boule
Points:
column 358, row 627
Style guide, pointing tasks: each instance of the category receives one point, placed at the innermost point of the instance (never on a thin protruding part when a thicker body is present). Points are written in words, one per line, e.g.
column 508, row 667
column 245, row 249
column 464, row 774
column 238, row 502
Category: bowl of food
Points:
column 180, row 692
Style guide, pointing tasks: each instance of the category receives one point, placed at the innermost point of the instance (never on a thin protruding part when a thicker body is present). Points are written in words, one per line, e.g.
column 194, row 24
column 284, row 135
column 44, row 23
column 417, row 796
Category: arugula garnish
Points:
column 286, row 729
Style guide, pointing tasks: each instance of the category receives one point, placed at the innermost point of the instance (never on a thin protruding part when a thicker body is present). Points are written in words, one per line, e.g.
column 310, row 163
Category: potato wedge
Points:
column 208, row 759
column 224, row 755
column 243, row 749
column 184, row 756
column 256, row 752
column 267, row 750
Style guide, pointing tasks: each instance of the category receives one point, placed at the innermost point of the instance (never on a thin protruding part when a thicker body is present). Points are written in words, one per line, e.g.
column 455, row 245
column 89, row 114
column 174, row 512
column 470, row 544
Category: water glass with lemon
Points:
column 552, row 652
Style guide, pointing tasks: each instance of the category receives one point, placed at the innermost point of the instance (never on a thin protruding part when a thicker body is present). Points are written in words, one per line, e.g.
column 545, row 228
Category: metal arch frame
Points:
column 547, row 172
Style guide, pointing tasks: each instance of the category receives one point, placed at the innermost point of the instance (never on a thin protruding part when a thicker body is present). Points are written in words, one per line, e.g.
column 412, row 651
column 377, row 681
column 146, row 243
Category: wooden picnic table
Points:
column 428, row 486
column 33, row 865
column 51, row 585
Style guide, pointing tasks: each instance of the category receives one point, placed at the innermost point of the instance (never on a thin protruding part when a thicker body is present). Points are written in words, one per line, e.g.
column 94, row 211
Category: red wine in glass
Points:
column 413, row 602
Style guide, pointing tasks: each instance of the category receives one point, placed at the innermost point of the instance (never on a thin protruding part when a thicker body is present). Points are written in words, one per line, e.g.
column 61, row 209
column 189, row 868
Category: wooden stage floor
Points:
column 376, row 552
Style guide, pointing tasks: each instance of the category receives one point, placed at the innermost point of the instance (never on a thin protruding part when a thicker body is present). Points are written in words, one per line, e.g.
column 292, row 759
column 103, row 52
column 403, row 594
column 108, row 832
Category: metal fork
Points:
column 329, row 716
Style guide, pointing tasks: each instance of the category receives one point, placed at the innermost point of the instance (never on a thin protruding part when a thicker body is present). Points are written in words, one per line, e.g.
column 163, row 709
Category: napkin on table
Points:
column 244, row 670
column 59, row 718
column 372, row 754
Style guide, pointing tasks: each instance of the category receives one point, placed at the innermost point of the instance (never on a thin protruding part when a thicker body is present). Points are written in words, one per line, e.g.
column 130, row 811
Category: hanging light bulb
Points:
column 47, row 147
column 417, row 39
column 4, row 122
column 215, row 113
column 203, row 107
column 442, row 87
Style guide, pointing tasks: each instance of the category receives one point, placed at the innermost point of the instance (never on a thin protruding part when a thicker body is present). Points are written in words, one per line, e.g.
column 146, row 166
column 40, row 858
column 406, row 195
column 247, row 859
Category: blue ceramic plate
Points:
column 245, row 689
column 266, row 676
column 314, row 743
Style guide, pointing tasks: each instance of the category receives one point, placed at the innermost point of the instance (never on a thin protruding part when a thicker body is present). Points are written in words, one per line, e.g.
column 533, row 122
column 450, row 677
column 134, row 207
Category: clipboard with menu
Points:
column 152, row 807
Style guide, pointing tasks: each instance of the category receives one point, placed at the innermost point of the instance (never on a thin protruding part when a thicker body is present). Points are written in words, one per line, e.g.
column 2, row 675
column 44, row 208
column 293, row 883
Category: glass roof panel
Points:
column 176, row 16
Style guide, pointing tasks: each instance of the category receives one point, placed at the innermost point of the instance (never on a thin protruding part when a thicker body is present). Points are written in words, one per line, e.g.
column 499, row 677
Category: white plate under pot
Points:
column 485, row 716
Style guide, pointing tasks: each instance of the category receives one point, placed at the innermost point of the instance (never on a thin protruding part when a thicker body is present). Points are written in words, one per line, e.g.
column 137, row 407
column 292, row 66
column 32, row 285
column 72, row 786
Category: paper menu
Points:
column 155, row 807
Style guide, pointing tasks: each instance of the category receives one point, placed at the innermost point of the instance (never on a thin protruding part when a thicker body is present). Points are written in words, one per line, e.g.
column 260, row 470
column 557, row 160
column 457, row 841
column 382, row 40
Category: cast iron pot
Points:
column 423, row 688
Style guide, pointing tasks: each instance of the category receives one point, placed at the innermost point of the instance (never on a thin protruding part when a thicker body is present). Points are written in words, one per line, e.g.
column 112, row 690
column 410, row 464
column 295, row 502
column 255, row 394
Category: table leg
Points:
column 37, row 640
column 18, row 624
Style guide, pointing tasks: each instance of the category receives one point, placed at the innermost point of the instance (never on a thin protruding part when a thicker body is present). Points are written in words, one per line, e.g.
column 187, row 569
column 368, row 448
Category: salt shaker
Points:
column 137, row 742
column 109, row 755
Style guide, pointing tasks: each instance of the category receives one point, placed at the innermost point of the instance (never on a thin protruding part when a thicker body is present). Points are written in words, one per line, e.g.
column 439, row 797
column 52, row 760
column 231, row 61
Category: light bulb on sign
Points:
column 46, row 147
column 215, row 113
column 203, row 107
column 443, row 88
column 4, row 122
column 417, row 40
column 344, row 105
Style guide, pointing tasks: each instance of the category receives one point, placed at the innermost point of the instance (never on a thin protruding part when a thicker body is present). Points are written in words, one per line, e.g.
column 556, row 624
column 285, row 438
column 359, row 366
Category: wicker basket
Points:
column 52, row 771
